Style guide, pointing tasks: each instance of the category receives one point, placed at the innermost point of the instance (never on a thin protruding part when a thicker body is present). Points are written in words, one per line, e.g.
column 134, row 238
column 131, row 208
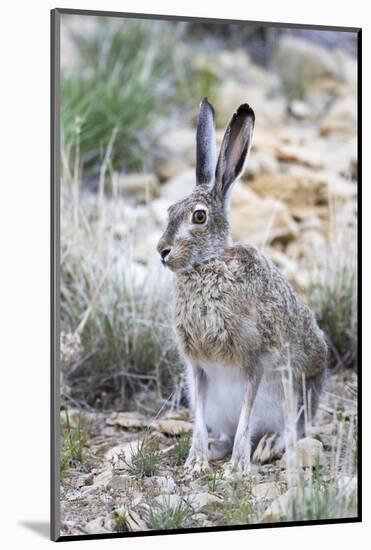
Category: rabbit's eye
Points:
column 199, row 216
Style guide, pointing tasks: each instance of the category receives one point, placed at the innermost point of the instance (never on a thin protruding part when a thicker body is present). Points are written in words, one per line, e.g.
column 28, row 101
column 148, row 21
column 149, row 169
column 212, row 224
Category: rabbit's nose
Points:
column 164, row 253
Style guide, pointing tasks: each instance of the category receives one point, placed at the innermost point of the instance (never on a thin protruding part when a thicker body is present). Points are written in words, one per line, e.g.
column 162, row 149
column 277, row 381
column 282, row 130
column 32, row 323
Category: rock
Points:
column 300, row 109
column 165, row 484
column 127, row 420
column 266, row 491
column 172, row 427
column 88, row 490
column 110, row 523
column 262, row 162
column 179, row 187
column 259, row 220
column 310, row 452
column 300, row 155
column 294, row 190
column 72, row 496
column 119, row 455
column 341, row 118
column 119, row 483
column 134, row 522
column 200, row 500
column 102, row 479
column 300, row 59
column 95, row 526
column 282, row 507
column 142, row 187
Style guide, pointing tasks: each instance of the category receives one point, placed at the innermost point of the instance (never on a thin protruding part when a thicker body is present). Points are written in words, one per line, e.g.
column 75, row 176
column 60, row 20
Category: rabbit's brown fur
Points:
column 237, row 318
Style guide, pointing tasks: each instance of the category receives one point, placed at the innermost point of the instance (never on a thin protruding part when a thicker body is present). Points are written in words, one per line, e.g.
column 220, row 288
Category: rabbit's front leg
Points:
column 197, row 460
column 240, row 461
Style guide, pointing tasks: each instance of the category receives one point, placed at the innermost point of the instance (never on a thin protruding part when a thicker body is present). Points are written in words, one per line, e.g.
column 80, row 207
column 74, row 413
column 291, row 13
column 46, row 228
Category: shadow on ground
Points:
column 42, row 528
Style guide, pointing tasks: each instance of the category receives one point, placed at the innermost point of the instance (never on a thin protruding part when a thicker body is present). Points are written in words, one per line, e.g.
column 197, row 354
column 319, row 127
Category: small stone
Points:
column 172, row 427
column 73, row 496
column 119, row 455
column 127, row 420
column 88, row 490
column 134, row 522
column 200, row 500
column 102, row 479
column 165, row 484
column 119, row 483
column 95, row 526
column 300, row 109
column 282, row 507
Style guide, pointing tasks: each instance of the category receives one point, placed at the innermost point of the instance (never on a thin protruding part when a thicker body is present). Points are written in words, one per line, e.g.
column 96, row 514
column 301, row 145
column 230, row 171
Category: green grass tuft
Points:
column 144, row 459
column 182, row 446
column 74, row 440
column 165, row 515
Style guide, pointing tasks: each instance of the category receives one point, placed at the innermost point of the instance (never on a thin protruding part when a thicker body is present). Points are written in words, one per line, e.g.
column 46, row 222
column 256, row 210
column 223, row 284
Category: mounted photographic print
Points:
column 205, row 187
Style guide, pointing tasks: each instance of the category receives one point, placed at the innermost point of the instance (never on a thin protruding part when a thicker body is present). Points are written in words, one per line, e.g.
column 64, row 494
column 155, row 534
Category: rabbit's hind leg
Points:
column 270, row 447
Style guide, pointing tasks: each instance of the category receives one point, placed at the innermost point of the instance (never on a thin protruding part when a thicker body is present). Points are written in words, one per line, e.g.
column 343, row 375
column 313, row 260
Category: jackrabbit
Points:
column 237, row 319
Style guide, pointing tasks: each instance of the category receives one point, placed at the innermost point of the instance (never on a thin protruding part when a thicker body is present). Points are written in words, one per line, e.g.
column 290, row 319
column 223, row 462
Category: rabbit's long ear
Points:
column 235, row 148
column 205, row 144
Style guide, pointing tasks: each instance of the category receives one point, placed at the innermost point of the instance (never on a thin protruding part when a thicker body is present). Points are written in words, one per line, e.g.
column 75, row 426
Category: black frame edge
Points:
column 54, row 272
column 134, row 15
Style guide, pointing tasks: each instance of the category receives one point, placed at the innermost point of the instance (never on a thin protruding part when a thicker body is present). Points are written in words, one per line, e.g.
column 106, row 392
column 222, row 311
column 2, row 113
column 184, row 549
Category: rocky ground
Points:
column 132, row 477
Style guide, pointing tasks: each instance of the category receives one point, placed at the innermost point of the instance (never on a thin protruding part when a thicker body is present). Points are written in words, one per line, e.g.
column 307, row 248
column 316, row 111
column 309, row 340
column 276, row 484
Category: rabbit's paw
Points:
column 237, row 468
column 196, row 463
column 269, row 448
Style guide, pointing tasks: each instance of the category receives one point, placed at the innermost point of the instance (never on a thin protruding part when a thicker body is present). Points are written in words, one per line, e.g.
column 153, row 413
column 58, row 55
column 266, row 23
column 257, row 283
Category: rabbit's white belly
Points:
column 225, row 392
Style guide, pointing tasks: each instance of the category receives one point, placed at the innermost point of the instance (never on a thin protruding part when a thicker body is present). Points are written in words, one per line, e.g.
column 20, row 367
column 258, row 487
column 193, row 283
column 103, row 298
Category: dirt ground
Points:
column 132, row 475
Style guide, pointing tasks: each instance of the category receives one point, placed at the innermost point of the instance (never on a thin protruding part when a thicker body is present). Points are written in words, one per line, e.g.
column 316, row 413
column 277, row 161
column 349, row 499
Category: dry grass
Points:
column 117, row 335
